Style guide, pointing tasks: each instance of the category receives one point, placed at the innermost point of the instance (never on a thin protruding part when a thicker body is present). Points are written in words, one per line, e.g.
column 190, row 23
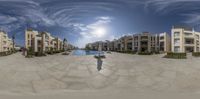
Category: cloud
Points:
column 88, row 34
column 7, row 19
column 182, row 8
column 192, row 18
column 170, row 6
column 71, row 14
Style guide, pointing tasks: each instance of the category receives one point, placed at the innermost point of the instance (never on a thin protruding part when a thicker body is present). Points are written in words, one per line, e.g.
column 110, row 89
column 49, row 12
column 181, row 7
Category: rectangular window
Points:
column 197, row 37
column 188, row 34
column 28, row 42
column 177, row 49
column 176, row 42
column 176, row 34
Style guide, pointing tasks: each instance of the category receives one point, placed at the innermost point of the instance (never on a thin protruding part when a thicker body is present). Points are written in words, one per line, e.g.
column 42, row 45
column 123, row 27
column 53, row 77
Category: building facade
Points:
column 43, row 41
column 164, row 42
column 143, row 42
column 184, row 39
column 6, row 43
column 146, row 42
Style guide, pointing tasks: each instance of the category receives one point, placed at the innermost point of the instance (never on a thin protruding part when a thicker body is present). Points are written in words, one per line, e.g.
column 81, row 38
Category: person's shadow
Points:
column 99, row 64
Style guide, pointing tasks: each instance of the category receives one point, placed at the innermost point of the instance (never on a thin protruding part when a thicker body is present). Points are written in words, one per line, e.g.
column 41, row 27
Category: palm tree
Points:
column 64, row 40
column 13, row 40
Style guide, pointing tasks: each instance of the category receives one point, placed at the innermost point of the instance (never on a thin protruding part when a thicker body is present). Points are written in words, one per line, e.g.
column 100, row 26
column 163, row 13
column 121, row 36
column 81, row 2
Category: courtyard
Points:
column 120, row 73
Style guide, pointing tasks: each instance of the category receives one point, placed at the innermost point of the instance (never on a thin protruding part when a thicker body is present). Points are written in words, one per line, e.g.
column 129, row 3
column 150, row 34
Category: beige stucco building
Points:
column 6, row 43
column 42, row 41
column 148, row 42
column 143, row 42
column 185, row 39
column 164, row 42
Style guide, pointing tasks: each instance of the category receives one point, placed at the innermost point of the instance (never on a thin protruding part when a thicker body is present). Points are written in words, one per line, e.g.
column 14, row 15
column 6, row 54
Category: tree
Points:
column 64, row 41
column 13, row 40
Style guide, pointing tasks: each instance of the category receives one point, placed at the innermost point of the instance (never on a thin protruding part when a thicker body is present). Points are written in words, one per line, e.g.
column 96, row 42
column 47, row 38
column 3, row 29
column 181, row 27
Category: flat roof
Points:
column 183, row 27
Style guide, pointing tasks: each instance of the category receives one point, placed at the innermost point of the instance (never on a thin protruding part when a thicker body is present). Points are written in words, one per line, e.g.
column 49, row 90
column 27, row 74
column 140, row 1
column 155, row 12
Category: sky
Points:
column 85, row 21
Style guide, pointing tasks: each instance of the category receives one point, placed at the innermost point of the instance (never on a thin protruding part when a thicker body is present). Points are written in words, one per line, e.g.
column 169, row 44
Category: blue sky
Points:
column 80, row 20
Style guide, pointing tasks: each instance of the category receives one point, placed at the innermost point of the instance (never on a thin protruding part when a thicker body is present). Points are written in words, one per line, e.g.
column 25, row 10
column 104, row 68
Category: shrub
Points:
column 30, row 53
column 56, row 52
column 39, row 54
column 50, row 52
column 65, row 53
column 196, row 54
column 6, row 53
column 145, row 53
column 176, row 55
column 2, row 53
column 127, row 52
column 156, row 52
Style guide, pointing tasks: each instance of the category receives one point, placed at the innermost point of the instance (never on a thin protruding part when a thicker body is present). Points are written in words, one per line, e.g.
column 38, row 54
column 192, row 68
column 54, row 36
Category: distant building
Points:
column 143, row 42
column 6, row 43
column 184, row 39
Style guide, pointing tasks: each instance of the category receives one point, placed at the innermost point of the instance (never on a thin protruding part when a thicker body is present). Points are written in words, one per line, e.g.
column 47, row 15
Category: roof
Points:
column 183, row 27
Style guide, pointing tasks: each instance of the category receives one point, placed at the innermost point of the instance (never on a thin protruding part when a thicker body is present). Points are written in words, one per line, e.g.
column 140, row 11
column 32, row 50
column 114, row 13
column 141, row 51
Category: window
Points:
column 176, row 41
column 28, row 42
column 176, row 34
column 188, row 34
column 177, row 49
column 162, row 38
column 197, row 36
column 189, row 41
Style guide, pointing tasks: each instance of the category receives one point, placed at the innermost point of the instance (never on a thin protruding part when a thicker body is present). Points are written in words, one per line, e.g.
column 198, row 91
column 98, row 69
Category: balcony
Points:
column 144, row 39
column 177, row 44
column 176, row 34
column 162, row 38
column 188, row 35
column 189, row 42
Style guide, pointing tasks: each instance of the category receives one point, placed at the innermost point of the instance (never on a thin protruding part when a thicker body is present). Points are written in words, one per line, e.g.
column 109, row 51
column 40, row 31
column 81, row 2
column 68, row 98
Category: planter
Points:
column 145, row 53
column 196, row 54
column 176, row 55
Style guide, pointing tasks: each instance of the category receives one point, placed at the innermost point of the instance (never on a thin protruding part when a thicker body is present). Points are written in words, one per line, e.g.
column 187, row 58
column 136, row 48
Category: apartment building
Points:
column 58, row 45
column 111, row 46
column 145, row 42
column 42, row 41
column 164, row 42
column 128, row 43
column 142, row 42
column 184, row 39
column 116, row 42
column 6, row 43
column 106, row 45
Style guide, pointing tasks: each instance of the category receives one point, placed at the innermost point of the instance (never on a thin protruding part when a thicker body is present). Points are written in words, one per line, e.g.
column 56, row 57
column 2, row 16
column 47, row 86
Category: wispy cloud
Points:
column 7, row 19
column 192, row 18
column 184, row 8
column 164, row 6
column 70, row 14
column 88, row 31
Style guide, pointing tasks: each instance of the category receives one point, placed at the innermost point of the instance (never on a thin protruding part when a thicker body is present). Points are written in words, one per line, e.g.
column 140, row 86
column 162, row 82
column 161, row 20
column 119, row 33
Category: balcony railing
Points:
column 176, row 44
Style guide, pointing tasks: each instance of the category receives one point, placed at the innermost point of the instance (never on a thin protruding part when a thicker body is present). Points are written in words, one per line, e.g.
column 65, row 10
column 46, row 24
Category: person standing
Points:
column 99, row 64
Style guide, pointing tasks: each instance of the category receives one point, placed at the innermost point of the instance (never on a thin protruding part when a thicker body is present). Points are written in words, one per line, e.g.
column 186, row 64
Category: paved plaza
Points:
column 120, row 72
